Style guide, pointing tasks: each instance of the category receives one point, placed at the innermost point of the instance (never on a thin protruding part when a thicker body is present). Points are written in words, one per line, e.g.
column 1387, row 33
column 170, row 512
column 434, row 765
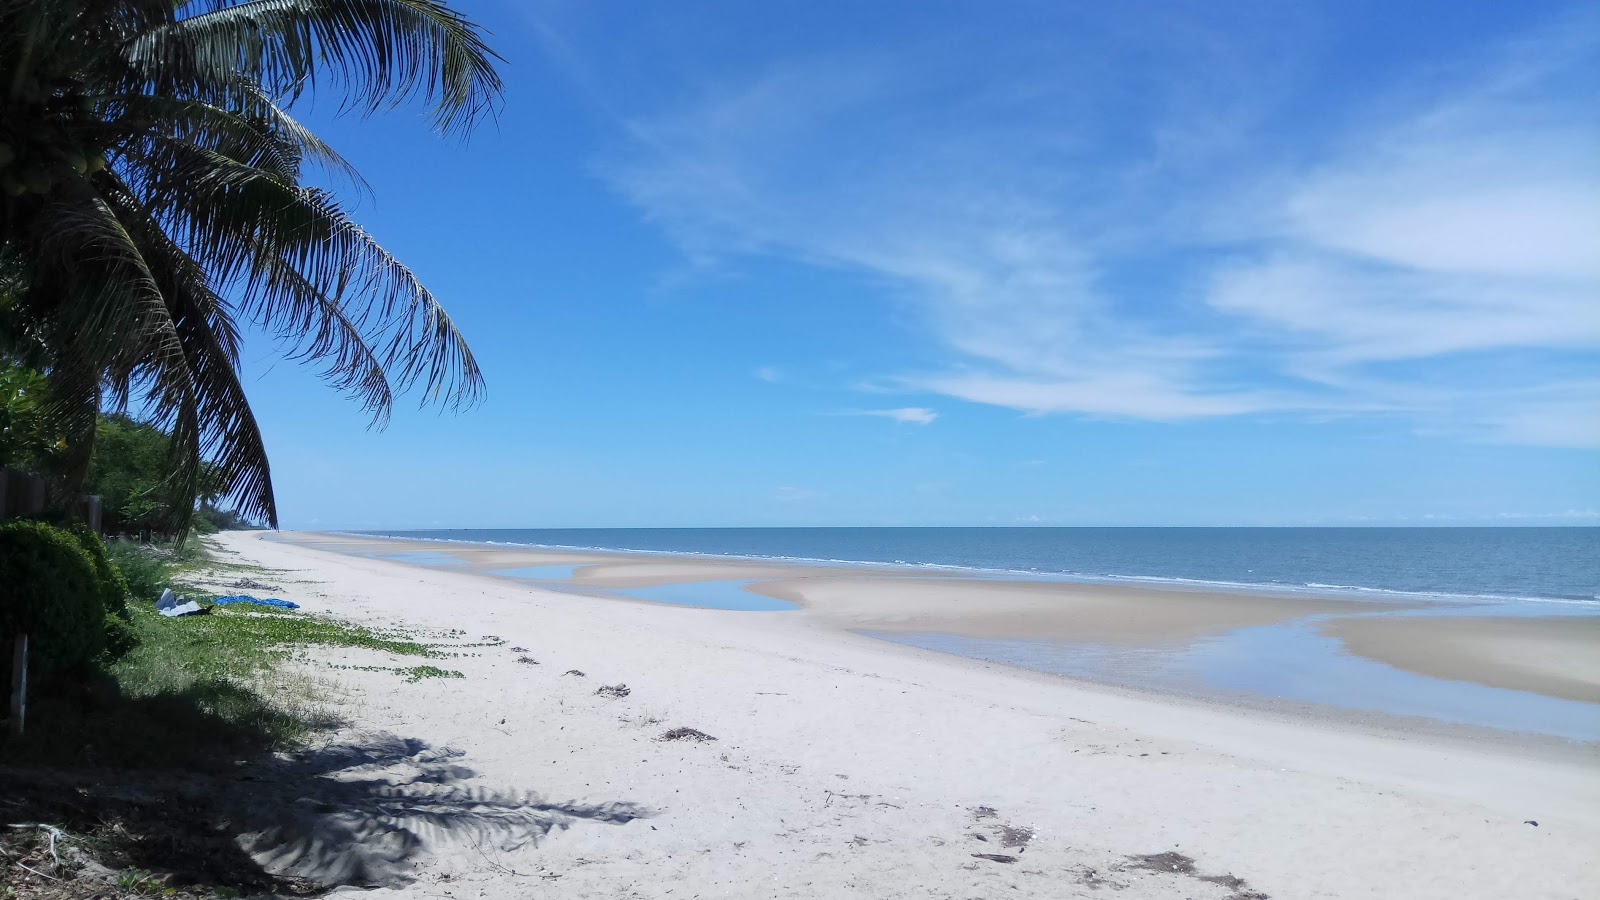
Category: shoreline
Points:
column 931, row 569
column 1172, row 639
column 688, row 569
column 849, row 766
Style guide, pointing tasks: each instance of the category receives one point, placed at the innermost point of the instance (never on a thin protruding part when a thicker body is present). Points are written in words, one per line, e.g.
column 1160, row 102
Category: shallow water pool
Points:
column 1292, row 661
column 708, row 595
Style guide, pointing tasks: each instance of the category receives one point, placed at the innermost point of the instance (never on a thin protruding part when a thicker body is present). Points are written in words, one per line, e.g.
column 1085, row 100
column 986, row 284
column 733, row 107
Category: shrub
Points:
column 145, row 572
column 113, row 591
column 49, row 590
column 111, row 587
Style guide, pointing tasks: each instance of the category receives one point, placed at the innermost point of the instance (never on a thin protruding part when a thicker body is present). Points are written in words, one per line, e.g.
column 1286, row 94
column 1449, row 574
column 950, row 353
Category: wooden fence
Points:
column 22, row 494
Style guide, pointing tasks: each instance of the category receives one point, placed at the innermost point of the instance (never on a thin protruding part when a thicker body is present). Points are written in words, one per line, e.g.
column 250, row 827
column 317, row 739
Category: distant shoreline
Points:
column 1253, row 644
column 1322, row 589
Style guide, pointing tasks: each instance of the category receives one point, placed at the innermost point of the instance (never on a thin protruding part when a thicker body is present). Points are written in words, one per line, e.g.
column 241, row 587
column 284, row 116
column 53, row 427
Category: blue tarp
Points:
column 246, row 598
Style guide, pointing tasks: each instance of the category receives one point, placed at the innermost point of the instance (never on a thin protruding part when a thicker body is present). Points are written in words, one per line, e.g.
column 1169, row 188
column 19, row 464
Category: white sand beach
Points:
column 849, row 767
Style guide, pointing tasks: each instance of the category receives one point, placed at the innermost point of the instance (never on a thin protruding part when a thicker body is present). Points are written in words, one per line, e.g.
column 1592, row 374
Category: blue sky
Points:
column 937, row 263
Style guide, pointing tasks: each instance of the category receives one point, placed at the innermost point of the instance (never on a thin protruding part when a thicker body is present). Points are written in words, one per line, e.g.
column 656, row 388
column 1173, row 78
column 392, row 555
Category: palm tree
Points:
column 153, row 194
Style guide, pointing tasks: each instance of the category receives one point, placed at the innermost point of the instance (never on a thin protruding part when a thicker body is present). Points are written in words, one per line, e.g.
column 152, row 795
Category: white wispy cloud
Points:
column 1458, row 219
column 1464, row 225
column 911, row 415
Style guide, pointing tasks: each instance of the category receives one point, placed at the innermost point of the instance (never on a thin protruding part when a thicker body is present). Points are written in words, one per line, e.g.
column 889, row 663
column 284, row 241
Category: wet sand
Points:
column 889, row 598
column 1074, row 612
column 1558, row 656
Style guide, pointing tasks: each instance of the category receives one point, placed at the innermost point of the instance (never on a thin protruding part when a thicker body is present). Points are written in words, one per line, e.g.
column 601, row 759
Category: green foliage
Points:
column 232, row 642
column 27, row 439
column 155, row 190
column 120, row 637
column 130, row 471
column 413, row 674
column 210, row 518
column 49, row 590
column 145, row 570
column 199, row 691
column 112, row 589
column 141, row 882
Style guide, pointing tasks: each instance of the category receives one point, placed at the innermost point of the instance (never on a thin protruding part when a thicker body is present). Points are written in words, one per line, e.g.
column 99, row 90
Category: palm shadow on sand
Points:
column 359, row 812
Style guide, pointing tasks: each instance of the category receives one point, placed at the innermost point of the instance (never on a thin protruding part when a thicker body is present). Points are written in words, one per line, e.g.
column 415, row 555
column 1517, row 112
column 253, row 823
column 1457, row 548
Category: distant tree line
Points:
column 130, row 468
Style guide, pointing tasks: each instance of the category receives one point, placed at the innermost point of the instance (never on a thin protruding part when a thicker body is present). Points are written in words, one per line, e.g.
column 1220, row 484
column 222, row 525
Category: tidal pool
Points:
column 1291, row 660
column 709, row 595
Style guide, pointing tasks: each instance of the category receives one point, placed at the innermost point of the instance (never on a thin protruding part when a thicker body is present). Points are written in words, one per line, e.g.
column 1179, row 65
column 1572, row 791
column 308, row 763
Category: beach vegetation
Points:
column 146, row 569
column 155, row 190
column 111, row 588
column 130, row 470
column 27, row 440
column 199, row 691
column 51, row 592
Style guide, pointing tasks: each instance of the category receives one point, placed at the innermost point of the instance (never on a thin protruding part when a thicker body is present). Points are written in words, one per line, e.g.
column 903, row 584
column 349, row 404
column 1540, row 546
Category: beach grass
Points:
column 198, row 690
column 200, row 697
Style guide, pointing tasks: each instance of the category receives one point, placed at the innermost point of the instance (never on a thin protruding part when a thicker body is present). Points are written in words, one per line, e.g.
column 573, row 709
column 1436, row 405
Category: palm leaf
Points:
column 377, row 52
column 254, row 225
column 124, row 283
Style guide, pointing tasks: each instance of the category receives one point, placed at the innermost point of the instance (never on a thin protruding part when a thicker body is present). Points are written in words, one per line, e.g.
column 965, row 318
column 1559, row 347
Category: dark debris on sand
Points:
column 1177, row 863
column 686, row 734
column 1169, row 861
column 613, row 690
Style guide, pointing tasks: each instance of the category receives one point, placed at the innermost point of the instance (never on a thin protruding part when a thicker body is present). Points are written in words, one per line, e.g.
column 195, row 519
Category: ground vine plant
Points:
column 154, row 194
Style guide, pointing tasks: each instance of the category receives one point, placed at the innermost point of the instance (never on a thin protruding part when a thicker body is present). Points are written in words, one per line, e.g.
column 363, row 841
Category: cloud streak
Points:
column 907, row 415
column 1076, row 256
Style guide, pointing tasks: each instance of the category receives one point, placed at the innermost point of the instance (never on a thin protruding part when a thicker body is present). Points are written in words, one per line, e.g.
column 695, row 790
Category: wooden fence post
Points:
column 19, row 684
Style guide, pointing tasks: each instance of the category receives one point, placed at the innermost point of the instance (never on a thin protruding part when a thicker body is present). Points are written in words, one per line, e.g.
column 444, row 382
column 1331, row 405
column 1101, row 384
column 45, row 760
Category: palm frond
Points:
column 105, row 318
column 377, row 52
column 254, row 128
column 160, row 191
column 212, row 423
column 253, row 225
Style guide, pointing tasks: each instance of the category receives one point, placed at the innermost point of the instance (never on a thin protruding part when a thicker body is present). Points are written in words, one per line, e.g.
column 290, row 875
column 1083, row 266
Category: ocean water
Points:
column 1531, row 563
column 1537, row 572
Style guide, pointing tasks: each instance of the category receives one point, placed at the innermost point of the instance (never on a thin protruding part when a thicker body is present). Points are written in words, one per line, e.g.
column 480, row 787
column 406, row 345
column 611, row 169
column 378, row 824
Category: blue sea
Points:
column 1451, row 572
column 1561, row 564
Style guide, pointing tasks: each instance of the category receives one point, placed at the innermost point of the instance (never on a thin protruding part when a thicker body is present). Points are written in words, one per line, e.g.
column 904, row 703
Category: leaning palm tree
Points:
column 153, row 195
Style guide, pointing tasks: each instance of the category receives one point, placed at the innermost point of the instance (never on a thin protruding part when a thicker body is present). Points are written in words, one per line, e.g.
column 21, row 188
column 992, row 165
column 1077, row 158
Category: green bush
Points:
column 120, row 636
column 112, row 588
column 144, row 572
column 49, row 590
